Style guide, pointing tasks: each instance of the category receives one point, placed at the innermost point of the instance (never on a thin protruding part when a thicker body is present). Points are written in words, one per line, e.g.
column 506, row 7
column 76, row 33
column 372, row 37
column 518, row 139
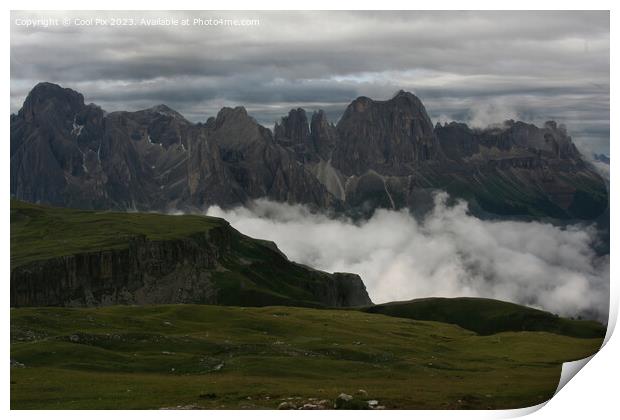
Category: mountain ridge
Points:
column 66, row 257
column 379, row 154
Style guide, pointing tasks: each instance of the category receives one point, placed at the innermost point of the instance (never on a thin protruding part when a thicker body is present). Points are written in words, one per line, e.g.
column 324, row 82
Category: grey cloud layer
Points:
column 450, row 253
column 530, row 65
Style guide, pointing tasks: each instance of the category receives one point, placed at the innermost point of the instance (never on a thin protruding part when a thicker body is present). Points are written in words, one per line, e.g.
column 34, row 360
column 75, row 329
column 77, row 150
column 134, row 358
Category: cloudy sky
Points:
column 477, row 67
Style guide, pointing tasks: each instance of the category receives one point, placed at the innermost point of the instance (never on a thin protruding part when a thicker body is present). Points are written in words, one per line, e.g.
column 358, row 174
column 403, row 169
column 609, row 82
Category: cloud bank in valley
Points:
column 450, row 253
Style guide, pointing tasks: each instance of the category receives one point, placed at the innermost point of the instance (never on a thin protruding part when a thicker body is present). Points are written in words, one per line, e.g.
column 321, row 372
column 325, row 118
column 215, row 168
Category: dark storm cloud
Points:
column 471, row 66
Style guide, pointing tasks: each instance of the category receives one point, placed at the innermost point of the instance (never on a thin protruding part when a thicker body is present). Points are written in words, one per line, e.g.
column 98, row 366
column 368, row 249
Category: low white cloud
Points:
column 450, row 253
column 488, row 113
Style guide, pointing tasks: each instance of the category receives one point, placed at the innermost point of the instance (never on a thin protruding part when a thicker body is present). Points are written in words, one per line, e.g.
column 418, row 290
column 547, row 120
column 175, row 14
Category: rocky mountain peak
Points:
column 515, row 137
column 234, row 115
column 319, row 125
column 47, row 99
column 404, row 103
column 319, row 118
column 310, row 142
column 323, row 134
column 360, row 104
column 551, row 125
column 293, row 129
column 405, row 95
column 47, row 90
column 385, row 135
column 407, row 100
column 234, row 129
column 165, row 110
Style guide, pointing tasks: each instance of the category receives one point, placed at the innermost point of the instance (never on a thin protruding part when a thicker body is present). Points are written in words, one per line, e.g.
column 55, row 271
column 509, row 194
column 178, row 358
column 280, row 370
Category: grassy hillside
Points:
column 201, row 356
column 41, row 232
column 488, row 316
column 247, row 271
column 428, row 353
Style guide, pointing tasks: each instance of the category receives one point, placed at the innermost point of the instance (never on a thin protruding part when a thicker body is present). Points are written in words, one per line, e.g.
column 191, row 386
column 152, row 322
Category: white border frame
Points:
column 592, row 394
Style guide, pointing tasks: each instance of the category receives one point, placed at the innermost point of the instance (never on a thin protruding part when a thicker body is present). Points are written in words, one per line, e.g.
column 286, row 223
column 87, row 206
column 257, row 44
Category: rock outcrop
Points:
column 214, row 264
column 385, row 136
column 146, row 272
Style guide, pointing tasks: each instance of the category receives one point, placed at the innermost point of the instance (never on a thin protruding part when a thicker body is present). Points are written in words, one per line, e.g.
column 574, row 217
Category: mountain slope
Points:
column 203, row 356
column 64, row 257
column 488, row 316
column 380, row 154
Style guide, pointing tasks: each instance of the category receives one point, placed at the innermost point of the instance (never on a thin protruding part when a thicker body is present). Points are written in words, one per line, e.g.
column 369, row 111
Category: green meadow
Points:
column 202, row 356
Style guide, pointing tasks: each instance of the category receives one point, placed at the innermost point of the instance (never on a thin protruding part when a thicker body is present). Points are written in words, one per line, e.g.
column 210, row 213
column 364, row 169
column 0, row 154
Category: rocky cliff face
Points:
column 385, row 136
column 66, row 153
column 380, row 154
column 144, row 273
column 550, row 142
column 260, row 167
column 214, row 266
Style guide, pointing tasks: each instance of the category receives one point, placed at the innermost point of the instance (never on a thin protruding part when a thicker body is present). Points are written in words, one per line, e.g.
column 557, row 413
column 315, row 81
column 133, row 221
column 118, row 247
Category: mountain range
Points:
column 380, row 154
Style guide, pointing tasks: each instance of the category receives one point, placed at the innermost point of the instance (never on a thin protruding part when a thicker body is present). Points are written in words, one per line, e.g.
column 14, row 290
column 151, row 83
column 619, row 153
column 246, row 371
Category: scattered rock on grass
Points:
column 16, row 364
column 344, row 397
column 347, row 402
column 357, row 402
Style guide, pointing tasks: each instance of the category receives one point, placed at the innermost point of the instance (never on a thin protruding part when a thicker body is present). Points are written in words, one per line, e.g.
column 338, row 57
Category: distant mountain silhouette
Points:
column 381, row 154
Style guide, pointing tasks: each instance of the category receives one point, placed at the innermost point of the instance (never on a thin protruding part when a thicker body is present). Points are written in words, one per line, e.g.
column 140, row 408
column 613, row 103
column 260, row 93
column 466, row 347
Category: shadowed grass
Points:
column 40, row 233
column 488, row 316
column 233, row 357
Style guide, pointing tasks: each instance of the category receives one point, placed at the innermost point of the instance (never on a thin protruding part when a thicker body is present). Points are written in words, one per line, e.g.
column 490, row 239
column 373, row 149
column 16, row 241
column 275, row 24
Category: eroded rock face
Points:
column 386, row 136
column 457, row 140
column 310, row 143
column 186, row 270
column 146, row 272
column 380, row 154
column 293, row 129
column 66, row 153
column 324, row 135
column 509, row 139
column 347, row 290
column 293, row 133
column 260, row 167
column 46, row 157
